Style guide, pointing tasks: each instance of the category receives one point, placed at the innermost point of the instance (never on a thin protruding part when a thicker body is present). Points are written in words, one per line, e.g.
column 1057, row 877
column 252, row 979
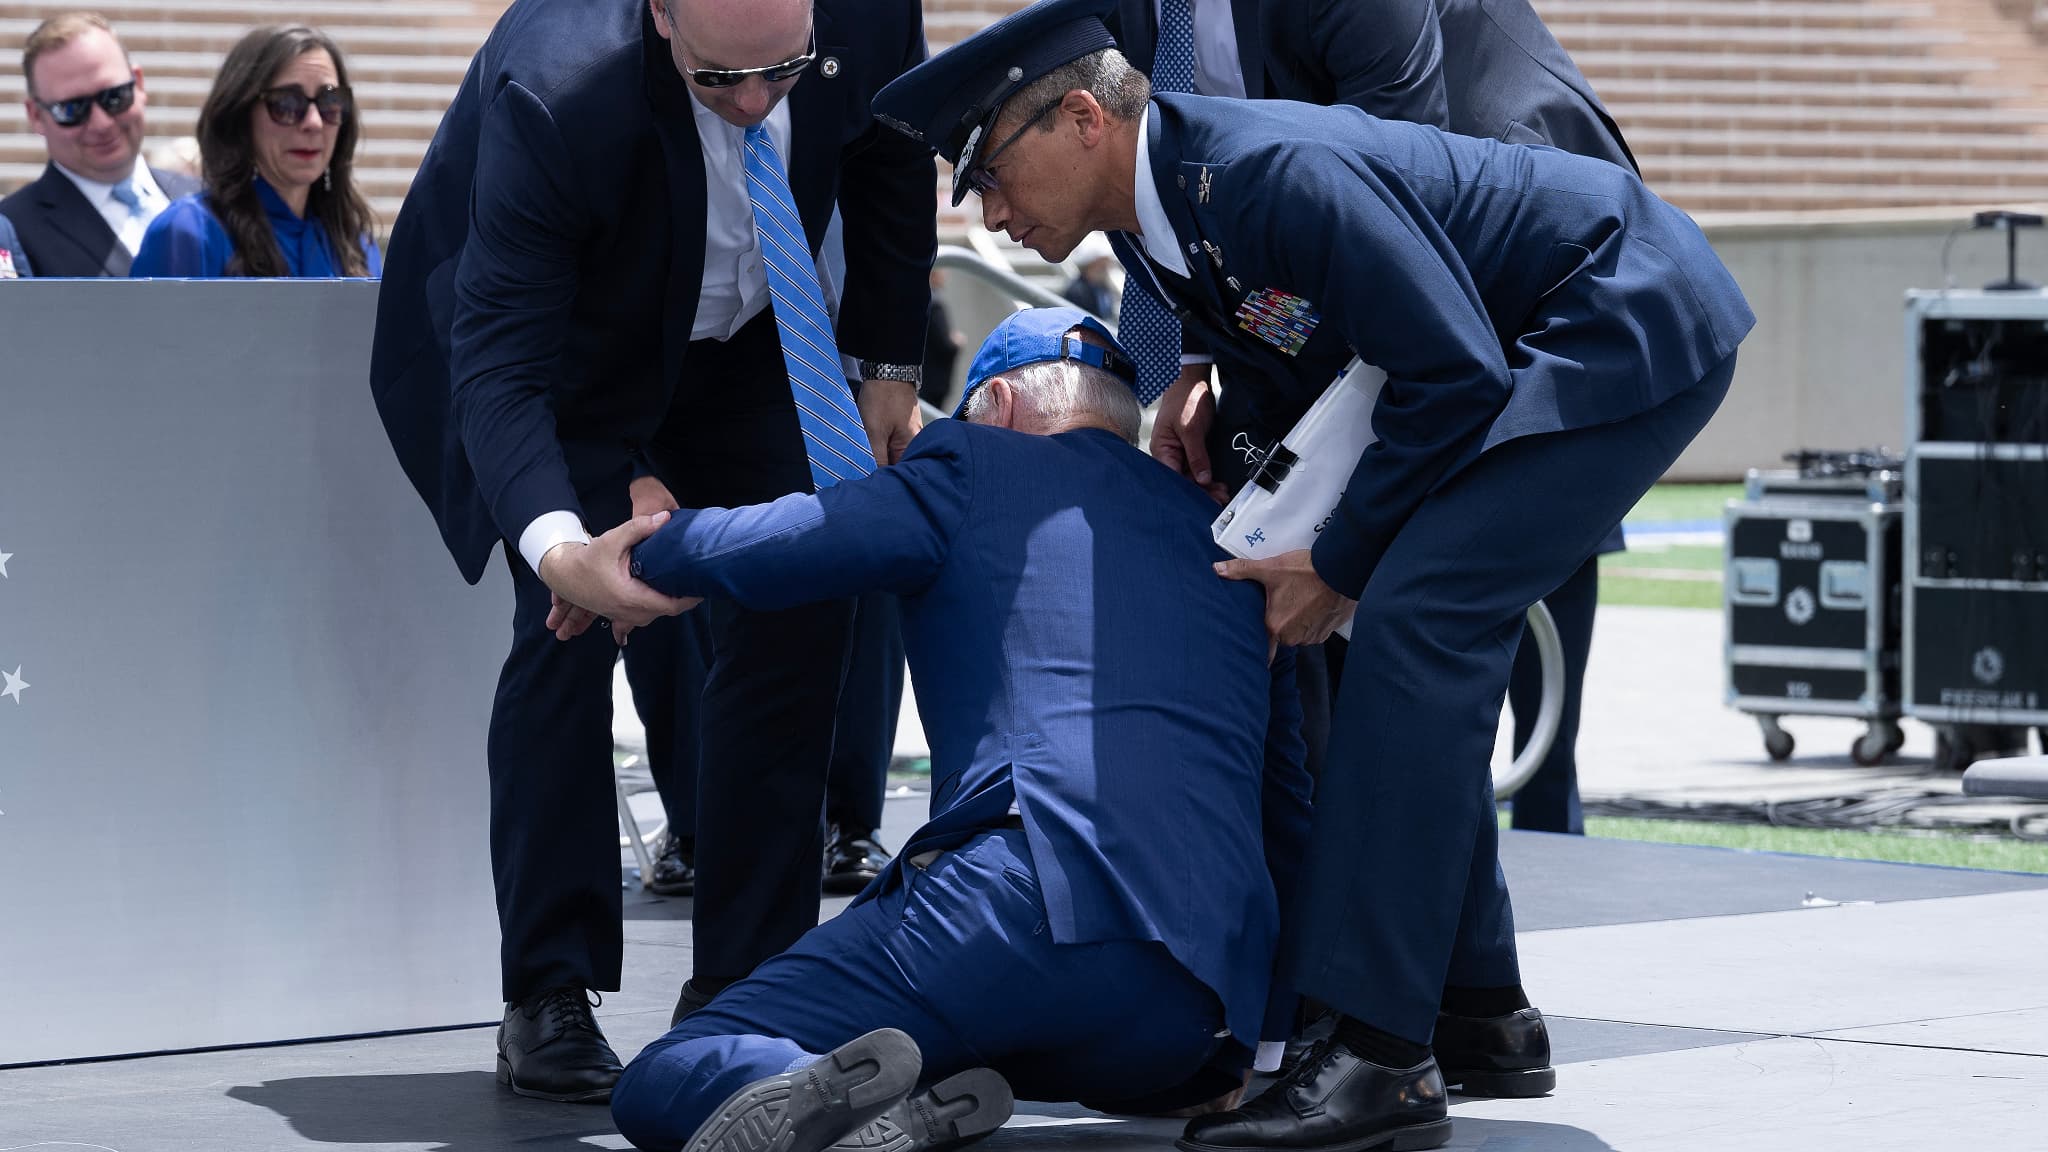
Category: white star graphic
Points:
column 14, row 684
column 4, row 558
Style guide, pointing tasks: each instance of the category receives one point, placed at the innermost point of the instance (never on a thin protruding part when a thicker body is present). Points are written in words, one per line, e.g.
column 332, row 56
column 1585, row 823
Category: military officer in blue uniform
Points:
column 1476, row 67
column 1553, row 335
column 1091, row 912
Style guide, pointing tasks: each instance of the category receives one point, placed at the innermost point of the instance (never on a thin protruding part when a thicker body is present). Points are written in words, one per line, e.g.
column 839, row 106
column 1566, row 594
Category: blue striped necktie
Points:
column 833, row 437
column 1146, row 328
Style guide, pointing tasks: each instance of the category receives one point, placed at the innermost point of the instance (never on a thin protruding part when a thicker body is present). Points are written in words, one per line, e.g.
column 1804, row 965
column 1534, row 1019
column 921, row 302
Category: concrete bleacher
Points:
column 1731, row 105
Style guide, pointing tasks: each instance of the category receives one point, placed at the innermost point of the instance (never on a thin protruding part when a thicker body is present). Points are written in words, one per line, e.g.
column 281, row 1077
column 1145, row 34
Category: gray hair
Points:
column 1121, row 89
column 1065, row 393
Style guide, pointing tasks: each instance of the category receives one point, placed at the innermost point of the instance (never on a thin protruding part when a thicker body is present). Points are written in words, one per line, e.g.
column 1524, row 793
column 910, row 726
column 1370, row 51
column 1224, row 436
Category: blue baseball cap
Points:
column 950, row 101
column 1039, row 335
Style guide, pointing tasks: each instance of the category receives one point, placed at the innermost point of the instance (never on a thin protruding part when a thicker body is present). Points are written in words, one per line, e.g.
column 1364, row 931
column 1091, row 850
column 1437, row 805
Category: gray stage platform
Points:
column 1701, row 999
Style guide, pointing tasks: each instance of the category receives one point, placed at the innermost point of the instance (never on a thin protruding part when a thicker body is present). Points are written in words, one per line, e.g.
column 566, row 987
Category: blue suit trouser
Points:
column 959, row 956
column 1403, row 892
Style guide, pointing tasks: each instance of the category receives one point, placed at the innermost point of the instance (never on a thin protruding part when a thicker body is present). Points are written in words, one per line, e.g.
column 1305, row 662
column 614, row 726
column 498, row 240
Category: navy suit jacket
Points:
column 541, row 282
column 64, row 235
column 1476, row 67
column 12, row 246
column 1507, row 290
column 1047, row 586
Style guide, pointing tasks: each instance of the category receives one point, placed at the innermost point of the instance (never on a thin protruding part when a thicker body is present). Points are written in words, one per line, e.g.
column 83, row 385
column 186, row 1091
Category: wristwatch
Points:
column 912, row 374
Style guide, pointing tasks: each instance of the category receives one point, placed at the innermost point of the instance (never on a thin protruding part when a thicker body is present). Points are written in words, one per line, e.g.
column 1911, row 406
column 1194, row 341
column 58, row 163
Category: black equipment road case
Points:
column 1976, row 520
column 1811, row 595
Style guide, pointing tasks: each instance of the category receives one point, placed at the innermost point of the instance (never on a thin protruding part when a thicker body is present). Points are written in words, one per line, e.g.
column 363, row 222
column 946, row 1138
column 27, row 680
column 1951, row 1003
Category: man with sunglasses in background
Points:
column 86, row 214
column 601, row 295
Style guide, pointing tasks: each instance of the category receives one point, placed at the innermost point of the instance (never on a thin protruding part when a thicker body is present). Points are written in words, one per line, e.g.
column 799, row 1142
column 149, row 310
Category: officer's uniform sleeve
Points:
column 1371, row 263
column 888, row 531
column 1385, row 56
column 888, row 199
column 515, row 287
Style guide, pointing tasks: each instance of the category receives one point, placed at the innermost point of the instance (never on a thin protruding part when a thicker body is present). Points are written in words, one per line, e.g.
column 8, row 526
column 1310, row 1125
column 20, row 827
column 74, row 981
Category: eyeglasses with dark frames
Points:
column 77, row 110
column 981, row 179
column 773, row 73
column 286, row 105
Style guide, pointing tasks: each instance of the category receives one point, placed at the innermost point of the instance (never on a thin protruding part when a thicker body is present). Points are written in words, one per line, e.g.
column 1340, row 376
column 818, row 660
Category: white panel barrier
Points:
column 242, row 743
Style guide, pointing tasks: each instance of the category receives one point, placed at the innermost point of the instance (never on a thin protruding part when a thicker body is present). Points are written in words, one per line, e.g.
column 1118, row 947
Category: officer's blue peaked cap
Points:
column 951, row 101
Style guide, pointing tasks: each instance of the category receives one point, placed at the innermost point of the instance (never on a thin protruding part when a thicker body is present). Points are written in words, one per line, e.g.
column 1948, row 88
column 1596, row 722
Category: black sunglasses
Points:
column 75, row 111
column 773, row 73
column 287, row 105
column 978, row 177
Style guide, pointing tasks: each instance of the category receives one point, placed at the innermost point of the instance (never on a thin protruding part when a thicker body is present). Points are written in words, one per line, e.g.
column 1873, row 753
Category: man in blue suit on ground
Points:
column 603, row 281
column 1091, row 910
column 1553, row 336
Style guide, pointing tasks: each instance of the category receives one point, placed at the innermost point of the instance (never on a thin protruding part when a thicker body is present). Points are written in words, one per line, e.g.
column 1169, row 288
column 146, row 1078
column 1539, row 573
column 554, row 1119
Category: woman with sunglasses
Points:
column 277, row 141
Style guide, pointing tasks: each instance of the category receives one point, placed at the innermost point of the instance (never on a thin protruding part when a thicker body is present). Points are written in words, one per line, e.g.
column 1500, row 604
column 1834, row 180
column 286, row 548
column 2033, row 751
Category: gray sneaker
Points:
column 806, row 1110
column 953, row 1113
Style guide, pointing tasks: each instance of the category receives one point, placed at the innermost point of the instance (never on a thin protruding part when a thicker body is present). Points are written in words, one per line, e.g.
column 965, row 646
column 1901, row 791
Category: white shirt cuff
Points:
column 547, row 530
column 1269, row 1055
column 1187, row 358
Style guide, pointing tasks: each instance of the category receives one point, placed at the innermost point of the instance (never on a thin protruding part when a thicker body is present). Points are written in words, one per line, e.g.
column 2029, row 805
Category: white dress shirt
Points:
column 735, row 287
column 1217, row 69
column 735, row 280
column 1154, row 229
column 128, row 226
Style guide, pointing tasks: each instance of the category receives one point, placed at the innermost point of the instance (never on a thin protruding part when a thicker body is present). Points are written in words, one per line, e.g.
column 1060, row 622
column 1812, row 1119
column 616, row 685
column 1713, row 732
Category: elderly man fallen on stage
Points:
column 1091, row 911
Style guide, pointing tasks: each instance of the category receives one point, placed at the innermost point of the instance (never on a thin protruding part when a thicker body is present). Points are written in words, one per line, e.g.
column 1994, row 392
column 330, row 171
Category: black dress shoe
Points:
column 852, row 858
column 806, row 1110
column 675, row 870
column 1495, row 1056
column 1335, row 1102
column 691, row 999
column 953, row 1113
column 549, row 1048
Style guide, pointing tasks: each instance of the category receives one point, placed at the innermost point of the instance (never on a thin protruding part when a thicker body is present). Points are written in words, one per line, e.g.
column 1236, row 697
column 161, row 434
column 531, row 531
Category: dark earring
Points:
column 327, row 180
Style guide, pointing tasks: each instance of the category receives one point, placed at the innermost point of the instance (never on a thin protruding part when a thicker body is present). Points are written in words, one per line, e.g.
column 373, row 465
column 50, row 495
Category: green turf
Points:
column 1684, row 502
column 1635, row 590
column 2004, row 854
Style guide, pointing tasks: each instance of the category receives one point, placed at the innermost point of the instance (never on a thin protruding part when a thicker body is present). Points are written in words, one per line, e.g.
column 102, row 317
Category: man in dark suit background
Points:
column 85, row 215
column 1084, row 916
column 1486, row 68
column 604, row 269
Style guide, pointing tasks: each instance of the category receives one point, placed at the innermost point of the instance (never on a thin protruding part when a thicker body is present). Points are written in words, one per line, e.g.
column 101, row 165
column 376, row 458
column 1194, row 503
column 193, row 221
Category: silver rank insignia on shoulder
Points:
column 1202, row 190
column 828, row 67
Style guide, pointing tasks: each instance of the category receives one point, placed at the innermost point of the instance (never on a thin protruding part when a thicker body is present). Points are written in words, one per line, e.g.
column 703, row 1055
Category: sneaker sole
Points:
column 592, row 1096
column 806, row 1110
column 953, row 1113
column 1408, row 1138
column 1519, row 1085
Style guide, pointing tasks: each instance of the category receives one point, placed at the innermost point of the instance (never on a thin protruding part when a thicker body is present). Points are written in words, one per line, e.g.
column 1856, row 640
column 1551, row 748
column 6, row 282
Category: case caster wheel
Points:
column 1778, row 743
column 1877, row 742
column 1952, row 749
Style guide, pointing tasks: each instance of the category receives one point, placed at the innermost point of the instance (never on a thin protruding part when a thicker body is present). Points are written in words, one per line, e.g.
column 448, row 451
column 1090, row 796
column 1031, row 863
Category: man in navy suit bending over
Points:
column 1553, row 336
column 1091, row 910
column 604, row 279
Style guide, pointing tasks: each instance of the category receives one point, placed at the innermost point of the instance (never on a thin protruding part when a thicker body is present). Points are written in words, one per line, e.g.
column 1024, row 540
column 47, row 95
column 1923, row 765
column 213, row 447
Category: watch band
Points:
column 877, row 370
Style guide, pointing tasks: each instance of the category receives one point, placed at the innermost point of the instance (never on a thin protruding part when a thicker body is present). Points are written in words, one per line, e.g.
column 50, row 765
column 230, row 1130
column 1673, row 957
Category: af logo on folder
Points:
column 1295, row 488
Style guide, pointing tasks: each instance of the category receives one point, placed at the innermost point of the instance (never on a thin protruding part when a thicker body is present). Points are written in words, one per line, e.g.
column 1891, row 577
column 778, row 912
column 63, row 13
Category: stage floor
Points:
column 1699, row 999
